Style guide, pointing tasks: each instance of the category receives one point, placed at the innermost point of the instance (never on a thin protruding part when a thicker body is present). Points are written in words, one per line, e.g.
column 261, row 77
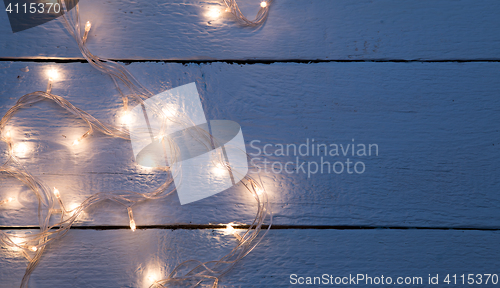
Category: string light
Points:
column 263, row 4
column 187, row 272
column 76, row 142
column 212, row 269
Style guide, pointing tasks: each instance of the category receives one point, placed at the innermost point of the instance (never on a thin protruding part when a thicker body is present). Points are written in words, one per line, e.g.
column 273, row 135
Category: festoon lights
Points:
column 50, row 202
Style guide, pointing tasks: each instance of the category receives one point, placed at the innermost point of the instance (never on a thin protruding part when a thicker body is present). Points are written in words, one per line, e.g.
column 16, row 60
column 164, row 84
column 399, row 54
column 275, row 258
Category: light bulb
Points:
column 7, row 135
column 53, row 74
column 72, row 207
column 33, row 248
column 127, row 118
column 8, row 200
column 16, row 240
column 132, row 225
column 214, row 13
column 170, row 110
column 17, row 243
column 21, row 149
column 87, row 29
column 219, row 170
column 160, row 136
column 76, row 142
column 258, row 191
column 131, row 217
column 56, row 193
column 263, row 4
column 152, row 278
column 230, row 230
column 87, row 26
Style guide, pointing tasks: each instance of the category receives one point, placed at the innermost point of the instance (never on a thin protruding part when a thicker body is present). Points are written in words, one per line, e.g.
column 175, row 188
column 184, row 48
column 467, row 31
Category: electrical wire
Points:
column 33, row 246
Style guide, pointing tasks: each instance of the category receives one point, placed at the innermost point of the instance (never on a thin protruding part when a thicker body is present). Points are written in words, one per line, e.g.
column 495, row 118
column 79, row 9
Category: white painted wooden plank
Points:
column 123, row 258
column 296, row 29
column 436, row 126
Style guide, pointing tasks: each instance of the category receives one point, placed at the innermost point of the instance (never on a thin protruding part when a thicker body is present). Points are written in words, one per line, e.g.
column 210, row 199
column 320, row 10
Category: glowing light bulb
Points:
column 87, row 26
column 76, row 142
column 230, row 229
column 87, row 29
column 263, row 4
column 214, row 13
column 160, row 136
column 33, row 248
column 17, row 240
column 72, row 207
column 17, row 243
column 169, row 110
column 259, row 191
column 56, row 193
column 7, row 135
column 8, row 200
column 127, row 118
column 219, row 170
column 152, row 278
column 132, row 225
column 21, row 149
column 53, row 74
column 131, row 217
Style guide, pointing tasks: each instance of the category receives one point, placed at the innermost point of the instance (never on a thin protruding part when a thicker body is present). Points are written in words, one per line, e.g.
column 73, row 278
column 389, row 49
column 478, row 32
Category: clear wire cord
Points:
column 261, row 17
column 190, row 273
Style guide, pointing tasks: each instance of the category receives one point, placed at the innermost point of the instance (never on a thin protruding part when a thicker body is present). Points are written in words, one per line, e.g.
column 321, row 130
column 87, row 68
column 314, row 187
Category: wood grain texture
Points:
column 436, row 125
column 126, row 259
column 296, row 29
